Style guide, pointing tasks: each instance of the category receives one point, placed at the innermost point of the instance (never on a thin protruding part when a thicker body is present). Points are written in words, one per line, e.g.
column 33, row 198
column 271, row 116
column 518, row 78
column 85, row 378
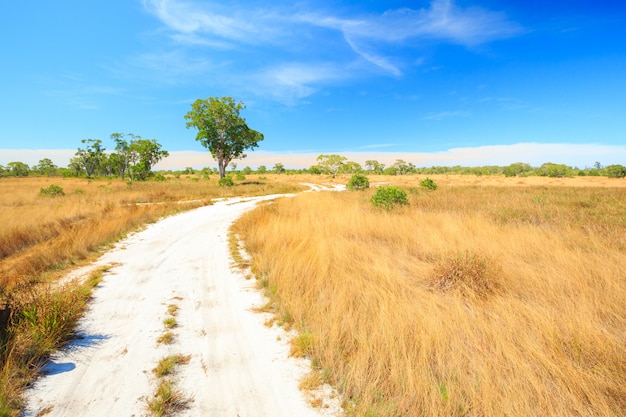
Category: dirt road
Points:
column 237, row 367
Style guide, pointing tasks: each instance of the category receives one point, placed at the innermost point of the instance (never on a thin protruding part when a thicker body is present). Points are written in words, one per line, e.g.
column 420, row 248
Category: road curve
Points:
column 238, row 367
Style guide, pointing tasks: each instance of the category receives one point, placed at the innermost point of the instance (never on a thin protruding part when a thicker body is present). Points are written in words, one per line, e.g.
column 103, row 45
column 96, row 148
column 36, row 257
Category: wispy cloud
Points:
column 446, row 114
column 292, row 36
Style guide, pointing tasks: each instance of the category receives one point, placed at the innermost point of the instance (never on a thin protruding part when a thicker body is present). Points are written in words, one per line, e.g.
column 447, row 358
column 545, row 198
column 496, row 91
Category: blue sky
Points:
column 433, row 82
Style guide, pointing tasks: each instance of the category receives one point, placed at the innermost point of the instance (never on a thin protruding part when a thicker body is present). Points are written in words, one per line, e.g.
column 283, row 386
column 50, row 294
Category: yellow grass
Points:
column 38, row 233
column 487, row 297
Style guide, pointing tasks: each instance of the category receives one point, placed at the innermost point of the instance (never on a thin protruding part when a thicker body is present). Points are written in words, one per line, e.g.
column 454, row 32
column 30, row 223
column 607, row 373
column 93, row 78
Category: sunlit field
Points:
column 42, row 237
column 487, row 297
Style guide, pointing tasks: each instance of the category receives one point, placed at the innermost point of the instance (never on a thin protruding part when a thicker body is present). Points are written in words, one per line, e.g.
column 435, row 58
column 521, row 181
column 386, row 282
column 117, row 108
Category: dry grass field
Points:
column 487, row 297
column 42, row 237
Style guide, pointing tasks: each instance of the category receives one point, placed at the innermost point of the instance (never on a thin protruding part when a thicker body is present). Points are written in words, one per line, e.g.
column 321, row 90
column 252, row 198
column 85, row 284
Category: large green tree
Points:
column 222, row 130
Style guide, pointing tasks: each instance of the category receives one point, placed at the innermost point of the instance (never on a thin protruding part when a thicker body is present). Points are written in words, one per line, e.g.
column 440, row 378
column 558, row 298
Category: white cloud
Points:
column 302, row 35
column 445, row 115
column 535, row 154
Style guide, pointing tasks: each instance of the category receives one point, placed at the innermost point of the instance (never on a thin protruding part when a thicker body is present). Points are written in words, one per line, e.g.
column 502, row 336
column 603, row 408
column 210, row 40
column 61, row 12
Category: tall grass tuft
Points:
column 473, row 300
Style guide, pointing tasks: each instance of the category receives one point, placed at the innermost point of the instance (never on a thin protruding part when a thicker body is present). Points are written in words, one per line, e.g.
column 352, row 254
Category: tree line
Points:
column 126, row 166
column 226, row 135
column 132, row 158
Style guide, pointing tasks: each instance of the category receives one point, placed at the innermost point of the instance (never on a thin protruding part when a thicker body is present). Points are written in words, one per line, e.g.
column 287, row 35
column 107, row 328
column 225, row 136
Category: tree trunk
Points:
column 222, row 168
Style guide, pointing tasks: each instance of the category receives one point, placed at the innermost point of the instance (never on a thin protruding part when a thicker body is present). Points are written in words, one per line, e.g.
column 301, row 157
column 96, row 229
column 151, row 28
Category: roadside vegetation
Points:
column 483, row 296
column 51, row 225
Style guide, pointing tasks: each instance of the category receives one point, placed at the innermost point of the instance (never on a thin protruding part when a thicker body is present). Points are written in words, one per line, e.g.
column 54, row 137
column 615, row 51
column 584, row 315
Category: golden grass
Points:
column 479, row 299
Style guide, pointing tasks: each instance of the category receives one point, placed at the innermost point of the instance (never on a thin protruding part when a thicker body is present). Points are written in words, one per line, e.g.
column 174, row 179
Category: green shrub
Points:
column 358, row 182
column 389, row 197
column 240, row 176
column 615, row 171
column 226, row 182
column 52, row 191
column 428, row 184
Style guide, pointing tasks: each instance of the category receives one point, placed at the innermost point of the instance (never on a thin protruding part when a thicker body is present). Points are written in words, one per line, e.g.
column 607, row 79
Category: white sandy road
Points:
column 238, row 366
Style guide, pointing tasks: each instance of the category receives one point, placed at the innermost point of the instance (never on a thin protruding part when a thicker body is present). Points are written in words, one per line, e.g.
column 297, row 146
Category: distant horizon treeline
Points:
column 135, row 159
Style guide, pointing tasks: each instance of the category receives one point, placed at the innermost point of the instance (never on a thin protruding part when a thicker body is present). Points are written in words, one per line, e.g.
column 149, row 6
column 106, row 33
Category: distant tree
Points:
column 221, row 130
column 555, row 170
column 331, row 163
column 125, row 156
column 392, row 170
column 350, row 167
column 149, row 153
column 247, row 170
column 75, row 167
column 516, row 169
column 18, row 169
column 403, row 168
column 2, row 171
column 279, row 168
column 46, row 167
column 615, row 171
column 374, row 166
column 316, row 170
column 90, row 157
column 262, row 169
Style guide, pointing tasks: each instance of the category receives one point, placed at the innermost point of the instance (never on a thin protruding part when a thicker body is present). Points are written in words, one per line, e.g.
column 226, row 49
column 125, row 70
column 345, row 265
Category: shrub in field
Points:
column 51, row 191
column 616, row 171
column 389, row 197
column 428, row 184
column 226, row 182
column 358, row 182
column 470, row 273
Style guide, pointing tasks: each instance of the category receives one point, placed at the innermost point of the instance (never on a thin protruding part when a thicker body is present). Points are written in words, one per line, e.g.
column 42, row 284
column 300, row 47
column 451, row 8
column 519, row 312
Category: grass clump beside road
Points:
column 493, row 297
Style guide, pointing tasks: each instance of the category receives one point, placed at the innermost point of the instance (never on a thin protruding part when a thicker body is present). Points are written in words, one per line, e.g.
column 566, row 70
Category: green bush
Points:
column 51, row 191
column 358, row 182
column 615, row 171
column 389, row 197
column 226, row 182
column 240, row 176
column 428, row 184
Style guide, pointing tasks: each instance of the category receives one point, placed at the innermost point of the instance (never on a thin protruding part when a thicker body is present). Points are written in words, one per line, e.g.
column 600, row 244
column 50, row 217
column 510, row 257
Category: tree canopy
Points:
column 222, row 130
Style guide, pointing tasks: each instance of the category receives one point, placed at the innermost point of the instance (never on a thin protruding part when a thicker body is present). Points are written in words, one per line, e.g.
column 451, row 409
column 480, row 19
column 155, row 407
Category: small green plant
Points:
column 79, row 191
column 52, row 191
column 240, row 176
column 389, row 197
column 172, row 309
column 302, row 345
column 169, row 322
column 226, row 182
column 167, row 400
column 358, row 182
column 428, row 184
column 166, row 338
column 167, row 364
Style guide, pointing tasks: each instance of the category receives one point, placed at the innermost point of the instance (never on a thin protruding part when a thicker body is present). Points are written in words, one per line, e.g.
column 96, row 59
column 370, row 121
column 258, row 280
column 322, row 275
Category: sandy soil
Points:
column 238, row 366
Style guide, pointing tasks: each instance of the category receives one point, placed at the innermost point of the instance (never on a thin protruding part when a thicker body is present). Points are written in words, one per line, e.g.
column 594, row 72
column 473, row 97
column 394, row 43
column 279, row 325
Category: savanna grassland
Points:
column 490, row 296
column 45, row 233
